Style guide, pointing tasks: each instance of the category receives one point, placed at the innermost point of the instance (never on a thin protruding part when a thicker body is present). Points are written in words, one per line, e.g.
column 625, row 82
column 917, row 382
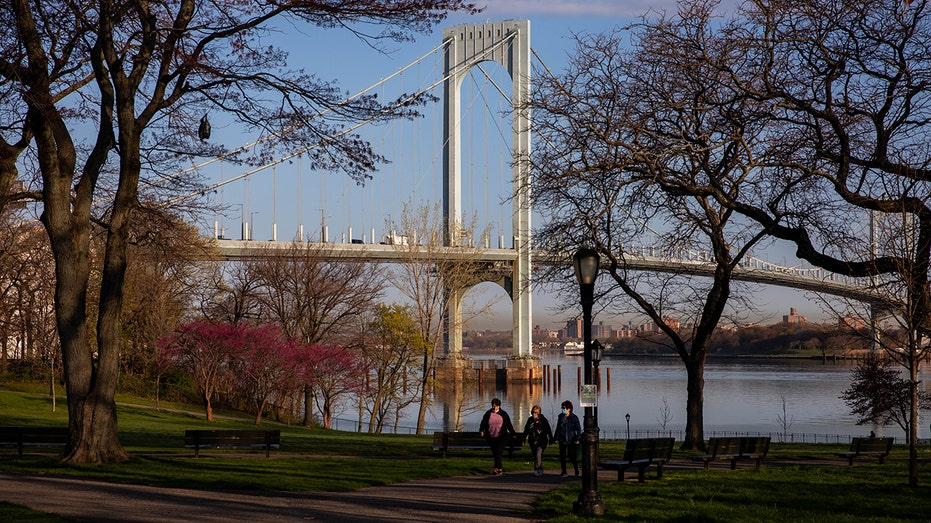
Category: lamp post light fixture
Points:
column 598, row 351
column 586, row 262
column 627, row 417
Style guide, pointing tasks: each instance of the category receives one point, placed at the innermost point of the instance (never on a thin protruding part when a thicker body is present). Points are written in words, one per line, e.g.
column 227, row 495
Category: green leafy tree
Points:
column 878, row 394
column 391, row 347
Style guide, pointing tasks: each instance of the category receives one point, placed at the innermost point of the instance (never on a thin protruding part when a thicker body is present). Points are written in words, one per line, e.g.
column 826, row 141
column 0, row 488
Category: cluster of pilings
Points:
column 552, row 378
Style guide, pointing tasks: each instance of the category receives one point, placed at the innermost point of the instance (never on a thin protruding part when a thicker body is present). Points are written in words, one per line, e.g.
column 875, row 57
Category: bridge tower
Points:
column 507, row 43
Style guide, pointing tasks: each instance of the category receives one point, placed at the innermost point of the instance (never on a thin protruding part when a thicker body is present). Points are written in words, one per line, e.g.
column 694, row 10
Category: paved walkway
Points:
column 504, row 498
column 462, row 499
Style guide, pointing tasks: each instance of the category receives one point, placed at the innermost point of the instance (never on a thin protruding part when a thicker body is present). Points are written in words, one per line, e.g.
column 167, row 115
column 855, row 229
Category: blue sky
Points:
column 289, row 194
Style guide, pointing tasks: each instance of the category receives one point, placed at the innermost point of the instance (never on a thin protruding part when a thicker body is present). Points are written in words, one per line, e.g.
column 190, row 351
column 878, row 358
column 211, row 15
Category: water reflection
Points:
column 798, row 396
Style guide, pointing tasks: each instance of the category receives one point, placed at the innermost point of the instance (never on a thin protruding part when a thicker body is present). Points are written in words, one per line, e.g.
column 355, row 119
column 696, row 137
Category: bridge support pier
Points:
column 524, row 369
column 518, row 370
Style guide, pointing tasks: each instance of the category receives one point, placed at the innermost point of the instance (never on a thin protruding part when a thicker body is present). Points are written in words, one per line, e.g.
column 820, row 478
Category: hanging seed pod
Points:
column 203, row 132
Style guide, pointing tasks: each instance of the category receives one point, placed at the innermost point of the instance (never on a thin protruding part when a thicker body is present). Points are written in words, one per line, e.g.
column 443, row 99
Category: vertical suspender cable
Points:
column 300, row 200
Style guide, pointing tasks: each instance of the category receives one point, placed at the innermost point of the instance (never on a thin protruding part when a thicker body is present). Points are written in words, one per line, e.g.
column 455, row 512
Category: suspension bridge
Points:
column 449, row 143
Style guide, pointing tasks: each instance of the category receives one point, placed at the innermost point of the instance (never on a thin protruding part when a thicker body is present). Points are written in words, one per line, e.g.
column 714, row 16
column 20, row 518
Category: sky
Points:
column 288, row 196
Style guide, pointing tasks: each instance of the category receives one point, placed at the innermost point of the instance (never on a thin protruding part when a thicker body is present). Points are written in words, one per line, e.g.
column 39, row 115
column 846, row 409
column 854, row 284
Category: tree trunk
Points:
column 92, row 431
column 308, row 406
column 913, row 419
column 259, row 411
column 327, row 414
column 208, row 406
column 424, row 393
column 694, row 407
column 90, row 384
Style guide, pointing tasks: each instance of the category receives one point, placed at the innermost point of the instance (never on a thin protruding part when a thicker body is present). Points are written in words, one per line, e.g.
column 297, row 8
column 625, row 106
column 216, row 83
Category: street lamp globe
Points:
column 586, row 262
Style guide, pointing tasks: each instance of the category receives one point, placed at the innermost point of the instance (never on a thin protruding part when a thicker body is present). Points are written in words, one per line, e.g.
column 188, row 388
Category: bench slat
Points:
column 21, row 437
column 642, row 453
column 445, row 441
column 868, row 447
column 198, row 439
column 735, row 448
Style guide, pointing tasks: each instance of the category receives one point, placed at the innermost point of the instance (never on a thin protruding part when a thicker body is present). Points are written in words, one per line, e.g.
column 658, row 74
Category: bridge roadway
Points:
column 754, row 270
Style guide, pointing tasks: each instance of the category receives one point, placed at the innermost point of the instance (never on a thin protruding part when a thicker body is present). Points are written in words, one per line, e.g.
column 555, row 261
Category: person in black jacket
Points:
column 537, row 432
column 496, row 428
column 568, row 434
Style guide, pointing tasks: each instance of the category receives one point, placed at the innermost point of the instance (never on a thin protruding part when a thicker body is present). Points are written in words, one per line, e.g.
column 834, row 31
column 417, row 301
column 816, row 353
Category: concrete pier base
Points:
column 514, row 369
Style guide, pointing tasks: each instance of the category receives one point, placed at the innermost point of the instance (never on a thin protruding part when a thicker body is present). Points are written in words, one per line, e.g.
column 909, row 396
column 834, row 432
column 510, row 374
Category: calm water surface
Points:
column 745, row 396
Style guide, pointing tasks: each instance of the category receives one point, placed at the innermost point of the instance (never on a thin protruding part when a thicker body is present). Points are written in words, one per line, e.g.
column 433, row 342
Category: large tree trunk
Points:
column 694, row 407
column 90, row 384
column 913, row 420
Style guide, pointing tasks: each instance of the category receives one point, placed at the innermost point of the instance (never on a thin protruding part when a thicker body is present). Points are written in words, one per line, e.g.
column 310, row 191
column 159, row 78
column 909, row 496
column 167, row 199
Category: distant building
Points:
column 851, row 323
column 574, row 328
column 793, row 318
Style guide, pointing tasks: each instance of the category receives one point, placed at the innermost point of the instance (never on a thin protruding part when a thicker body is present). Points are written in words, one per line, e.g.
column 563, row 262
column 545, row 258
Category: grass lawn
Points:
column 308, row 457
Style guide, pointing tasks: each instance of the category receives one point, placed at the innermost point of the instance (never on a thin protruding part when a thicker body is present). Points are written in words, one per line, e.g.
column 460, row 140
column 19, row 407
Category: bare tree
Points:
column 314, row 297
column 637, row 143
column 27, row 289
column 435, row 279
column 166, row 269
column 784, row 419
column 847, row 89
column 665, row 414
column 137, row 75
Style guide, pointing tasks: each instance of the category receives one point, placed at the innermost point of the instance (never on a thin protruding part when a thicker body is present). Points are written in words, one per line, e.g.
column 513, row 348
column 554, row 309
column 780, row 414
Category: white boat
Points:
column 573, row 348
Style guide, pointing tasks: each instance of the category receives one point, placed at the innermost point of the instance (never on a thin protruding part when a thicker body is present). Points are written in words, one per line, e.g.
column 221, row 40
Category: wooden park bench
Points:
column 868, row 448
column 736, row 448
column 446, row 441
column 21, row 437
column 642, row 453
column 266, row 439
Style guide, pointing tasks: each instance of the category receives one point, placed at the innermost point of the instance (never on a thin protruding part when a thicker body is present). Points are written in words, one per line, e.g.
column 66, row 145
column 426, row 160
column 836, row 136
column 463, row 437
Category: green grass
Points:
column 308, row 458
column 866, row 492
column 20, row 514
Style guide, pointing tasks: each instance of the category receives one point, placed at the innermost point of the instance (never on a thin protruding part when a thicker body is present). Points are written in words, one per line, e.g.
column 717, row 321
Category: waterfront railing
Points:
column 349, row 425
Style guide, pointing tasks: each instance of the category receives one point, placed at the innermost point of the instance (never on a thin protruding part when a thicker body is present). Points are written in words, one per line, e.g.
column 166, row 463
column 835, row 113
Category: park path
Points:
column 504, row 498
column 460, row 499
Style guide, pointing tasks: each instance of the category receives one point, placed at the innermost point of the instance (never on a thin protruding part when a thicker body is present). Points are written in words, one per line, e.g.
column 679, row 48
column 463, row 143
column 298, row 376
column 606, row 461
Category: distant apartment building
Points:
column 574, row 328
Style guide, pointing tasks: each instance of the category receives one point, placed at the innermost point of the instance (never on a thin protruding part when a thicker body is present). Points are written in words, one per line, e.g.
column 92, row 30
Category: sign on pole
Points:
column 589, row 396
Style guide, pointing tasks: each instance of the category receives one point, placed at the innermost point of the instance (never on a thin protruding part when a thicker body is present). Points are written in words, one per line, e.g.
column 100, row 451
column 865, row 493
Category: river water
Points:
column 760, row 395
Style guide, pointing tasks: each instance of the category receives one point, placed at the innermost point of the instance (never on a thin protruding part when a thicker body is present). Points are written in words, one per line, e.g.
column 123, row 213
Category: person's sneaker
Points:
column 564, row 475
column 496, row 471
column 499, row 471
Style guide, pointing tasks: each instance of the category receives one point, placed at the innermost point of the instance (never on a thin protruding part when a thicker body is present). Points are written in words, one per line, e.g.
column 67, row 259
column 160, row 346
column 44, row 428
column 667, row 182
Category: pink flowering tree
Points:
column 332, row 372
column 207, row 351
column 265, row 369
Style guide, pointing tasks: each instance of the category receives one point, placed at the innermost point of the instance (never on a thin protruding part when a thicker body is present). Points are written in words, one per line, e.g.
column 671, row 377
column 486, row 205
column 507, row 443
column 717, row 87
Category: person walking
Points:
column 537, row 432
column 568, row 434
column 496, row 428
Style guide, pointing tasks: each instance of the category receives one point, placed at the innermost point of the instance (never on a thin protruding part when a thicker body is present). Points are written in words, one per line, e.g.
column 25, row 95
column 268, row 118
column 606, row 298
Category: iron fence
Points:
column 349, row 425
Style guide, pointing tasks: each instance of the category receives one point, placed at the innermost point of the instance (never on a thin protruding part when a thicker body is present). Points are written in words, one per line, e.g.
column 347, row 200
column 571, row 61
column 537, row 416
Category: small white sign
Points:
column 589, row 396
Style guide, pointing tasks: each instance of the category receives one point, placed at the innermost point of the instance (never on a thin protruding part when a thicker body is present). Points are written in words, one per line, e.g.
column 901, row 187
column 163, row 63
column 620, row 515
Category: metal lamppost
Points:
column 586, row 261
column 627, row 417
